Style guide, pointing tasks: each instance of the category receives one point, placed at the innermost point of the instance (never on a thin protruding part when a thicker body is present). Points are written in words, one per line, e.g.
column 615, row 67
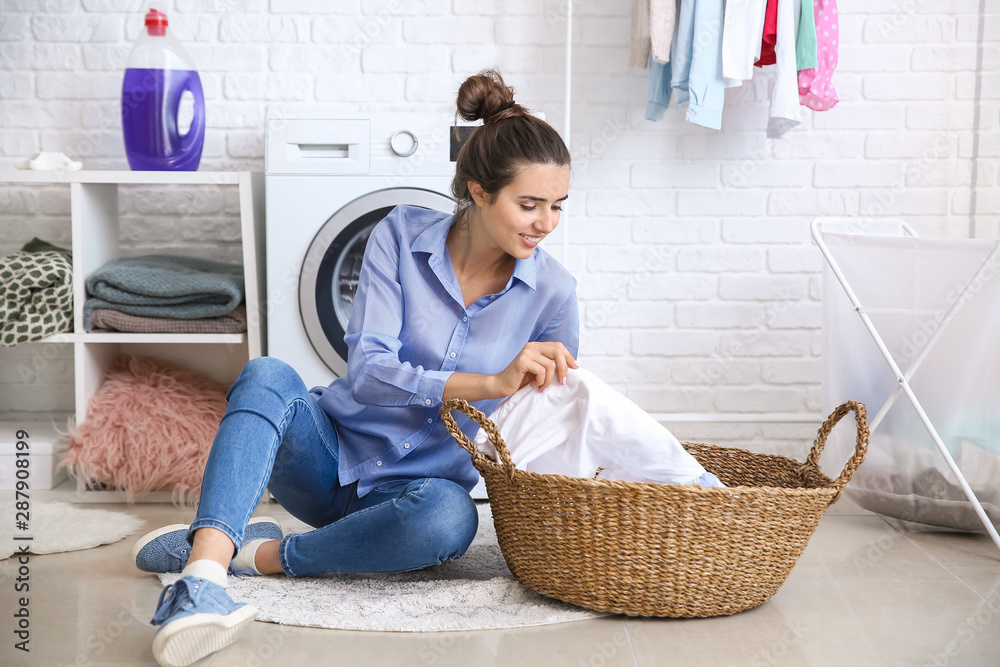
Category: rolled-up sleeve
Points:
column 376, row 373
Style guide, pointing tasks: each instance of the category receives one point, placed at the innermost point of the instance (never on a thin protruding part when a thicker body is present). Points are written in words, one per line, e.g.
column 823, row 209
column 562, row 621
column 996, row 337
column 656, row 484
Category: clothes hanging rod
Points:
column 567, row 115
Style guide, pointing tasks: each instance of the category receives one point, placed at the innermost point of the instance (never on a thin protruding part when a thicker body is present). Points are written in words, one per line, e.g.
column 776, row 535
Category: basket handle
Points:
column 488, row 426
column 860, row 449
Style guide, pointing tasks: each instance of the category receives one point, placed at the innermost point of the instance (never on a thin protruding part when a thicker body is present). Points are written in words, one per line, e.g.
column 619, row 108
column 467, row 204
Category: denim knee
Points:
column 268, row 373
column 449, row 518
column 268, row 369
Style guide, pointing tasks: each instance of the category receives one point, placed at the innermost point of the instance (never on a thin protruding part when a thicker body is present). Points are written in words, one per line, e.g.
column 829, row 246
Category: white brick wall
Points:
column 698, row 280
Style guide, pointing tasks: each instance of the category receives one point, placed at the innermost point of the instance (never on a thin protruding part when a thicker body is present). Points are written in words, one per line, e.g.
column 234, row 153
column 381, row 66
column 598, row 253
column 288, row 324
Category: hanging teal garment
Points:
column 806, row 54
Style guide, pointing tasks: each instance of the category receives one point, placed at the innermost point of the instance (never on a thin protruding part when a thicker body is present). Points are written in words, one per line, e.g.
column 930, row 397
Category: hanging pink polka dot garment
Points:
column 816, row 89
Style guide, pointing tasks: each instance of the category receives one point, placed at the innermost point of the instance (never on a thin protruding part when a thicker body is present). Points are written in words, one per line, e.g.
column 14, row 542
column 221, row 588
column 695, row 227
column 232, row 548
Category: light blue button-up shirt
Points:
column 410, row 330
column 696, row 61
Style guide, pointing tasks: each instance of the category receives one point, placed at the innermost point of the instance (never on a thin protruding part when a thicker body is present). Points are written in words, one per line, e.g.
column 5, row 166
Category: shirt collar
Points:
column 432, row 240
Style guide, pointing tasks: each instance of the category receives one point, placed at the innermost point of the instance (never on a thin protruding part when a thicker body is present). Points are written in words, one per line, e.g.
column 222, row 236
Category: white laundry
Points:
column 784, row 112
column 743, row 25
column 574, row 429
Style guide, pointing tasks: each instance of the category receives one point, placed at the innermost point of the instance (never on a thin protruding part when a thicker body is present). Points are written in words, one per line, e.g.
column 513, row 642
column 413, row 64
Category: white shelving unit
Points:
column 95, row 242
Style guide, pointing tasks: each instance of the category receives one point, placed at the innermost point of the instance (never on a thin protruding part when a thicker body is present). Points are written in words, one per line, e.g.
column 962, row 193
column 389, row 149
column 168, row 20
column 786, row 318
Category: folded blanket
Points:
column 232, row 322
column 36, row 293
column 38, row 245
column 165, row 286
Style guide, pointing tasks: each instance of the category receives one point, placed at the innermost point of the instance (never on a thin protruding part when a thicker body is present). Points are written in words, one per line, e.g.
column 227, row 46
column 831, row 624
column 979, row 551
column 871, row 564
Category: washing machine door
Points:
column 332, row 265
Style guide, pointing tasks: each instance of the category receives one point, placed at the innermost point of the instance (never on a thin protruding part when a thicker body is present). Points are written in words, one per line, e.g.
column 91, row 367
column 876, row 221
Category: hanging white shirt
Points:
column 784, row 113
column 743, row 27
column 576, row 428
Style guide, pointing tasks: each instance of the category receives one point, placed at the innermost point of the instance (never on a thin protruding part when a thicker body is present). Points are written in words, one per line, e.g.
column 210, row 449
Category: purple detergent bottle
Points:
column 158, row 74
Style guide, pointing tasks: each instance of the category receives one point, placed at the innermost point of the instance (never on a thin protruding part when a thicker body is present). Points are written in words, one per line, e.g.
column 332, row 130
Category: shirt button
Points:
column 465, row 319
column 378, row 463
column 493, row 296
column 452, row 355
column 427, row 401
column 406, row 446
column 430, row 421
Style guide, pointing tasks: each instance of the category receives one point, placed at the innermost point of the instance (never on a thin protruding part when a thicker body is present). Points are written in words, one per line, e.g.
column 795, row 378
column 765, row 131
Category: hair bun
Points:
column 486, row 96
column 509, row 139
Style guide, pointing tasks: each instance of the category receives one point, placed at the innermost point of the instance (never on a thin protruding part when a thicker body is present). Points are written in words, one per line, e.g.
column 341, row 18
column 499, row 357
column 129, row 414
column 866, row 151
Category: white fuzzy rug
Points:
column 56, row 527
column 475, row 592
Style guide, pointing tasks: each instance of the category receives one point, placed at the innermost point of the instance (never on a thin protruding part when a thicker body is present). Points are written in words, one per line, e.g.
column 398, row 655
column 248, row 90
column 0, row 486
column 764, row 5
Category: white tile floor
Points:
column 867, row 591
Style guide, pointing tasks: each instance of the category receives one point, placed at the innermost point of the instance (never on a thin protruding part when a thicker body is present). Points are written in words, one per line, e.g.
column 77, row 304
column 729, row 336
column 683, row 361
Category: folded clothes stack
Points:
column 166, row 294
column 116, row 320
column 36, row 293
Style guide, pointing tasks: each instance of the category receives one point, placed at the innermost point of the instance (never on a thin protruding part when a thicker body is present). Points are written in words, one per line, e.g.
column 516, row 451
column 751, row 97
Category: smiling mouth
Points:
column 532, row 239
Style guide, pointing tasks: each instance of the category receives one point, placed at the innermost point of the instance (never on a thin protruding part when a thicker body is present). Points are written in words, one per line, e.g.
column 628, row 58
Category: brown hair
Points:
column 509, row 139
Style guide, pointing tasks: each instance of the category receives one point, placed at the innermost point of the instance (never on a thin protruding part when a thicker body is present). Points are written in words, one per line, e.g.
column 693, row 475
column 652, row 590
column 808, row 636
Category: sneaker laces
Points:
column 181, row 596
column 182, row 554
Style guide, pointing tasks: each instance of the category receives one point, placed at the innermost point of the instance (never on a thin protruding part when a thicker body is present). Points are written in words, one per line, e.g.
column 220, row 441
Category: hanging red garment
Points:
column 770, row 37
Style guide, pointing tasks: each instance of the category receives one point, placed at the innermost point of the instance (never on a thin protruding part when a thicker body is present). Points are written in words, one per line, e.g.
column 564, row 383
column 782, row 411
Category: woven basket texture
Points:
column 645, row 549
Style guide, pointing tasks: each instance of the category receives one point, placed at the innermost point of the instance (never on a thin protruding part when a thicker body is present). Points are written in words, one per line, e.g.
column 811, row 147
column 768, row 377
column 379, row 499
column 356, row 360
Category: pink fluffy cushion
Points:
column 149, row 427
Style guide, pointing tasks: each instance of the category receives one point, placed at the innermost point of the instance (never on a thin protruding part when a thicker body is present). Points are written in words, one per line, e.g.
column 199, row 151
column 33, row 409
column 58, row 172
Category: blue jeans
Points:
column 274, row 436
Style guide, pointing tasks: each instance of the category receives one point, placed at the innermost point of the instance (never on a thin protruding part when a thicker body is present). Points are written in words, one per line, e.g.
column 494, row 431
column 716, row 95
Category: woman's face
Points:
column 526, row 211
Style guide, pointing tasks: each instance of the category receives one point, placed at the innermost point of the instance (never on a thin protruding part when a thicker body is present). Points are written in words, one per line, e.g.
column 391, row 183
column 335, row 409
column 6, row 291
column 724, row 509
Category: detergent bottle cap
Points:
column 156, row 22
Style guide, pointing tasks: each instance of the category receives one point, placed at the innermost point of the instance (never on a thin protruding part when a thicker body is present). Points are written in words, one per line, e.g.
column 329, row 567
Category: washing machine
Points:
column 328, row 182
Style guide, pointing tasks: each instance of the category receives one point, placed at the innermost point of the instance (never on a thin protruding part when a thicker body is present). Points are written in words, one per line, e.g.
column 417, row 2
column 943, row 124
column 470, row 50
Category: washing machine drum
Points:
column 332, row 265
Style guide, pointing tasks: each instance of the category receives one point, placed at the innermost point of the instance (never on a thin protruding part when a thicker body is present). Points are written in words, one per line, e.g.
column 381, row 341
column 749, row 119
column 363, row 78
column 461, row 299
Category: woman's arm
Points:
column 376, row 373
column 470, row 387
column 538, row 364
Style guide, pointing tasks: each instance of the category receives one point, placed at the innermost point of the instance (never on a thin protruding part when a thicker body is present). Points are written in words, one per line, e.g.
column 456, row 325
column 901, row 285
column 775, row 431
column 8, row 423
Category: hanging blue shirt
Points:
column 410, row 330
column 696, row 61
column 658, row 85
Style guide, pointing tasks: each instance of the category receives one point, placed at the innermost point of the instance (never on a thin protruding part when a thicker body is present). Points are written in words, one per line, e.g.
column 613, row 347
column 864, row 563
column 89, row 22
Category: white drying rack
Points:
column 903, row 379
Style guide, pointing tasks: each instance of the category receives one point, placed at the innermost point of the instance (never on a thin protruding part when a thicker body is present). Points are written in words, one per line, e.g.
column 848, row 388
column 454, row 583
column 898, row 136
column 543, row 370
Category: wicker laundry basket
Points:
column 646, row 549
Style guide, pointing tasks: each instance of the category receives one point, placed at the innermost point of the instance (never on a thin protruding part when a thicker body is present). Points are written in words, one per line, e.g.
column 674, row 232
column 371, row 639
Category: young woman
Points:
column 448, row 305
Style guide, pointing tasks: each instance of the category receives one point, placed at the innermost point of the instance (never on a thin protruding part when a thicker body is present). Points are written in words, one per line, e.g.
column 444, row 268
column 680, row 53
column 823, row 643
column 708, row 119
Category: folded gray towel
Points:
column 168, row 286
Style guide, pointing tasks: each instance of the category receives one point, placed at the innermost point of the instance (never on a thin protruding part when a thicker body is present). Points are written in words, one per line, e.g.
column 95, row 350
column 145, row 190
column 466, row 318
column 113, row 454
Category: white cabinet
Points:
column 95, row 241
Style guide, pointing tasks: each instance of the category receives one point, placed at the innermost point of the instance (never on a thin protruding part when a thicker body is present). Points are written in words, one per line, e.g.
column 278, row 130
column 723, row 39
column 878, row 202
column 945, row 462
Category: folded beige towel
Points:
column 234, row 321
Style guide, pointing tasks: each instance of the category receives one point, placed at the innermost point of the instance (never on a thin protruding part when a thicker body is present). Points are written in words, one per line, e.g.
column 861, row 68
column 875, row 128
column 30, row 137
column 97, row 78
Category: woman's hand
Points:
column 537, row 364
